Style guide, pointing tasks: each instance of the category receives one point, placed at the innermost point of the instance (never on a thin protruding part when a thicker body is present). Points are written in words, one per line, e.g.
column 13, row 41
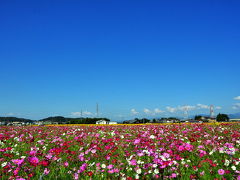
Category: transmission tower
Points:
column 185, row 112
column 97, row 109
column 211, row 111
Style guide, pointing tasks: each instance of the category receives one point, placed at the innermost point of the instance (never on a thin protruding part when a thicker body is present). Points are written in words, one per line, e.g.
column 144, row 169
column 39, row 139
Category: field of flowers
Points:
column 177, row 151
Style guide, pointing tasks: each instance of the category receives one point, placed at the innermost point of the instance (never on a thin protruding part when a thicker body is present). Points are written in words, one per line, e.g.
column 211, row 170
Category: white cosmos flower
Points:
column 234, row 168
column 4, row 164
column 103, row 166
column 16, row 139
column 139, row 171
column 156, row 171
column 183, row 162
column 226, row 163
column 152, row 137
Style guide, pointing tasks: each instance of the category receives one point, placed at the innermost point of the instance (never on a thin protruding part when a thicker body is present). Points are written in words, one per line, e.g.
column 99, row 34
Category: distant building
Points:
column 3, row 123
column 234, row 120
column 134, row 121
column 112, row 122
column 102, row 121
column 207, row 119
column 15, row 124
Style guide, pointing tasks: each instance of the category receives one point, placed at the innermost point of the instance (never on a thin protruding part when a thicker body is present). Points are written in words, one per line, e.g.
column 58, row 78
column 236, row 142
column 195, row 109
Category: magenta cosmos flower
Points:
column 33, row 160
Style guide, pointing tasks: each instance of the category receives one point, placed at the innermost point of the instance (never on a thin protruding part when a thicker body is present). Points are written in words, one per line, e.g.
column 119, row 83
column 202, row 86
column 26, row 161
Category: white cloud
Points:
column 236, row 106
column 158, row 111
column 147, row 111
column 186, row 108
column 75, row 113
column 84, row 113
column 10, row 114
column 218, row 107
column 237, row 98
column 202, row 106
column 134, row 112
column 171, row 109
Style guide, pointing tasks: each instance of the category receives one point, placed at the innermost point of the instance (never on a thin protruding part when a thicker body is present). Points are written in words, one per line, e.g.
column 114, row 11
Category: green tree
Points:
column 222, row 117
column 198, row 118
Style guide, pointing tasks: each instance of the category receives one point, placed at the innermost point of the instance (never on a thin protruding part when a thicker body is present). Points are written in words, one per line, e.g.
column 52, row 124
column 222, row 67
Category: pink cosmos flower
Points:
column 116, row 170
column 110, row 166
column 93, row 151
column 98, row 164
column 18, row 161
column 221, row 172
column 174, row 175
column 49, row 156
column 136, row 141
column 15, row 172
column 107, row 147
column 81, row 158
column 82, row 168
column 76, row 176
column 46, row 171
column 188, row 147
column 32, row 153
column 110, row 171
column 166, row 155
column 20, row 179
column 202, row 153
column 54, row 158
column 107, row 157
column 180, row 148
column 133, row 162
column 65, row 164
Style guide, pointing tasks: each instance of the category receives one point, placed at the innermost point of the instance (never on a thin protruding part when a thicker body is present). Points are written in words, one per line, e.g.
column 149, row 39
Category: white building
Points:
column 102, row 121
column 112, row 122
column 234, row 120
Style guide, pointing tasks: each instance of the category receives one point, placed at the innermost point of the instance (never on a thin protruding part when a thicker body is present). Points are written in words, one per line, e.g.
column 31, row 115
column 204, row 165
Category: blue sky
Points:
column 135, row 58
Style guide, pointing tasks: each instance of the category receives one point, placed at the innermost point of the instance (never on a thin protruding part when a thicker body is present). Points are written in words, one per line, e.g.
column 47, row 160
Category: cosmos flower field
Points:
column 176, row 151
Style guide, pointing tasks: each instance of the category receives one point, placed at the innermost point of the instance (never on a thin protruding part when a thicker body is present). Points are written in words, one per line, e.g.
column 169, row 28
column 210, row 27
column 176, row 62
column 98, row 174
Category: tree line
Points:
column 55, row 119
